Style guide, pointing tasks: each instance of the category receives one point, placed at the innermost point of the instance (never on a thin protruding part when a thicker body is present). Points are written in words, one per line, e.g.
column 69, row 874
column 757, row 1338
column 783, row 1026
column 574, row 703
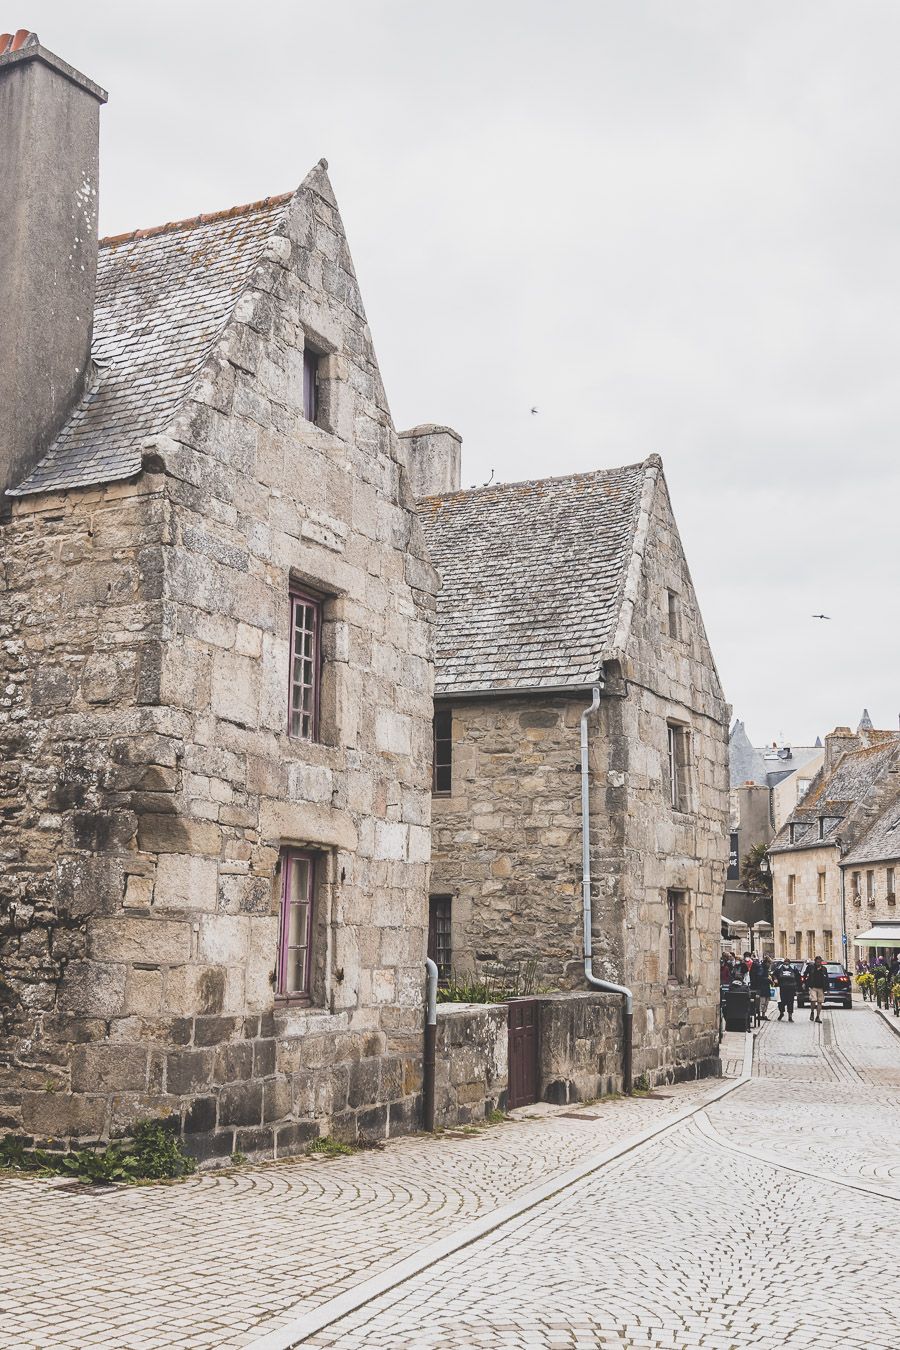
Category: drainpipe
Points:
column 431, row 984
column 604, row 985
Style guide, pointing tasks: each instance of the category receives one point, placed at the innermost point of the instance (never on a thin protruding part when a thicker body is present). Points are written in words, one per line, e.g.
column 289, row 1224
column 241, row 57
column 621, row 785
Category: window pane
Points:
column 296, row 975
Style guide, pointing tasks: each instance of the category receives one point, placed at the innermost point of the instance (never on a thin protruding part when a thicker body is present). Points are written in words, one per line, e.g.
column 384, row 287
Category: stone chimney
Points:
column 837, row 742
column 49, row 151
column 434, row 459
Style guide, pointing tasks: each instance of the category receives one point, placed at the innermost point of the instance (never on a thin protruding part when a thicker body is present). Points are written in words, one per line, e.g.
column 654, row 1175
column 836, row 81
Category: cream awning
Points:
column 881, row 935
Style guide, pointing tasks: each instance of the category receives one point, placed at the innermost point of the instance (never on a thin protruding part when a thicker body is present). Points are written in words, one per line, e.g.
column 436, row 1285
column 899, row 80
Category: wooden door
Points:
column 523, row 1051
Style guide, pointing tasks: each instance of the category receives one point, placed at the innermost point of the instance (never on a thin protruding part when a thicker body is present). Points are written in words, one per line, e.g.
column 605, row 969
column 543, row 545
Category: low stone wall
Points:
column 471, row 1062
column 580, row 1048
column 579, row 1054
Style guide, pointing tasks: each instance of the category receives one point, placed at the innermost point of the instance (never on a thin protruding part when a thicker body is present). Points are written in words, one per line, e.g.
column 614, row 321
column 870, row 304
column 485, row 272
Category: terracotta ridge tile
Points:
column 192, row 222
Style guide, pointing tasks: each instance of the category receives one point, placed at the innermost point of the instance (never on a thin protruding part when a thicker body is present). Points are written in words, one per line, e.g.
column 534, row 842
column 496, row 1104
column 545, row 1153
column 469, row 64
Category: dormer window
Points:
column 823, row 826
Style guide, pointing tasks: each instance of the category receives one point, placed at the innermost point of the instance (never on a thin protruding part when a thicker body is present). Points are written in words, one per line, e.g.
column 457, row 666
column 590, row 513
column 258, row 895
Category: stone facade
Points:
column 149, row 783
column 831, row 860
column 579, row 1054
column 507, row 838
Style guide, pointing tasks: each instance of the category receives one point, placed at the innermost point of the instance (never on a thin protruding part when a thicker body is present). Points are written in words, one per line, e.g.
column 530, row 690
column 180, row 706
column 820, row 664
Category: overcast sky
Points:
column 672, row 227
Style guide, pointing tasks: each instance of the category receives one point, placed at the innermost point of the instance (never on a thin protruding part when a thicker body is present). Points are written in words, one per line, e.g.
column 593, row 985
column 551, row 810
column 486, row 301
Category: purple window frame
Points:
column 310, row 384
column 293, row 898
column 306, row 623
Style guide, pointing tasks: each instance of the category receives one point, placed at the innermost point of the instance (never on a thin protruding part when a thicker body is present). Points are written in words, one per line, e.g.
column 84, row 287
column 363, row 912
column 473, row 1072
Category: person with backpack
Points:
column 786, row 979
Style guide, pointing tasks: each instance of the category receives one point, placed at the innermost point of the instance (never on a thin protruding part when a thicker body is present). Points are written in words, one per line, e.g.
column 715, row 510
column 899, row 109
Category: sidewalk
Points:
column 225, row 1257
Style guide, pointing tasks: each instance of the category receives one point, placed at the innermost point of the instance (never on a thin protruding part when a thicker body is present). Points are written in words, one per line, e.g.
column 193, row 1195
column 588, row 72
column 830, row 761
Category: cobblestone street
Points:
column 682, row 1241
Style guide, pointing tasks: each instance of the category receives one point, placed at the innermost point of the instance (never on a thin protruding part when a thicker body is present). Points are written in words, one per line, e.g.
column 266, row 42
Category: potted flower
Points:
column 895, row 997
column 865, row 983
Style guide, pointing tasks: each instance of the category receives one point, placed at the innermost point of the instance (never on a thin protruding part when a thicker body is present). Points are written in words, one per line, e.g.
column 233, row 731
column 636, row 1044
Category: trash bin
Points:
column 738, row 1008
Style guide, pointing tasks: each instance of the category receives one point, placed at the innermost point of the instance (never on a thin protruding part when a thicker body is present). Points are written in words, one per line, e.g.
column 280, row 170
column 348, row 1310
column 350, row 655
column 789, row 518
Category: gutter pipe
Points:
column 428, row 1063
column 604, row 985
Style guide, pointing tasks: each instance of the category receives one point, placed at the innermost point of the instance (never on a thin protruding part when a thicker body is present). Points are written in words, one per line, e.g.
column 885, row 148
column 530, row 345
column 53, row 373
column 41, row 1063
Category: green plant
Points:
column 153, row 1153
column 866, row 984
column 895, row 997
column 494, row 984
column 756, row 874
column 238, row 1159
column 326, row 1147
column 100, row 1167
column 156, row 1153
column 496, row 1117
column 641, row 1084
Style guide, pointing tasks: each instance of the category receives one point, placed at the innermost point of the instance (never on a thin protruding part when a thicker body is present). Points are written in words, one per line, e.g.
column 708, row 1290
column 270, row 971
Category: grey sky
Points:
column 673, row 227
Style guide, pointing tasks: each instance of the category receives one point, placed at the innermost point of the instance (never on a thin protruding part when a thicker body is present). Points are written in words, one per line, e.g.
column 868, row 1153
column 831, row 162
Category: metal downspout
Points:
column 604, row 985
column 431, row 984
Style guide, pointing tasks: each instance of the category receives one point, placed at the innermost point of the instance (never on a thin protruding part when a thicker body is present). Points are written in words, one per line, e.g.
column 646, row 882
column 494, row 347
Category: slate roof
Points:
column 163, row 297
column 748, row 763
column 835, row 795
column 532, row 578
column 882, row 839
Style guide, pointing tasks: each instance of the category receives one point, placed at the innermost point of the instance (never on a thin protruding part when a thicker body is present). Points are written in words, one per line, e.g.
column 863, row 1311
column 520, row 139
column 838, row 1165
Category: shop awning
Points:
column 881, row 935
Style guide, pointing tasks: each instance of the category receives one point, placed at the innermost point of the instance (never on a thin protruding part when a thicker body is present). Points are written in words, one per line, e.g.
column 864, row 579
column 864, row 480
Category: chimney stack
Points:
column 837, row 743
column 434, row 459
column 49, row 152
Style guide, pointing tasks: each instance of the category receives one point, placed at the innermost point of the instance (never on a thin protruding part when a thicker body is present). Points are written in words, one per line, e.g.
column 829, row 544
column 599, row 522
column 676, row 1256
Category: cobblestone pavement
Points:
column 219, row 1259
column 656, row 1251
column 676, row 1244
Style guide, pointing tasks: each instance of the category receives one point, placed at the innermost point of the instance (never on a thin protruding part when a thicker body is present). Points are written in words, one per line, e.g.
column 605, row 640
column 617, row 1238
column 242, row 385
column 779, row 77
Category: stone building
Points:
column 216, row 716
column 552, row 592
column 767, row 782
column 831, row 863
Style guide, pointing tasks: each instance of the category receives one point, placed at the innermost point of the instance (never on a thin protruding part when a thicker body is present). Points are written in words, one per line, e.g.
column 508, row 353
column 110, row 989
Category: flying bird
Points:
column 534, row 410
column 821, row 616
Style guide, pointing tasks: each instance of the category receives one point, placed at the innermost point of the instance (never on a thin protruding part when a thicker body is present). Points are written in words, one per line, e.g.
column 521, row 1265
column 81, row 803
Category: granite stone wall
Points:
column 149, row 781
column 471, row 1065
column 507, row 839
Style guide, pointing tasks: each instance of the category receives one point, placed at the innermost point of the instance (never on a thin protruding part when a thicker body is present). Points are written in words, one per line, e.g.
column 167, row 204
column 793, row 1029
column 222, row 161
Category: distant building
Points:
column 834, row 862
column 766, row 782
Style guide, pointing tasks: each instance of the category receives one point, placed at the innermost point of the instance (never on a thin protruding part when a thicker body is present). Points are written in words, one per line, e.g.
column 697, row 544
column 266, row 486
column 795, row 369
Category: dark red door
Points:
column 523, row 1051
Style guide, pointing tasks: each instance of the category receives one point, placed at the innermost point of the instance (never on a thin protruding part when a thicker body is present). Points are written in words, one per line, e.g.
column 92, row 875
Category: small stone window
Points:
column 820, row 884
column 678, row 753
column 782, row 942
column 855, row 891
column 673, row 614
column 870, row 889
column 442, row 774
column 311, row 360
column 891, row 895
column 791, row 888
column 810, row 944
column 828, row 944
column 295, row 933
column 439, row 944
column 798, row 945
column 305, row 674
column 677, row 934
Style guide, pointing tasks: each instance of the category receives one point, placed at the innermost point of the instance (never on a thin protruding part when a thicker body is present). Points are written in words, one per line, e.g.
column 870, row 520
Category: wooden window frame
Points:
column 289, row 900
column 677, row 914
column 302, row 602
column 442, row 750
column 678, row 753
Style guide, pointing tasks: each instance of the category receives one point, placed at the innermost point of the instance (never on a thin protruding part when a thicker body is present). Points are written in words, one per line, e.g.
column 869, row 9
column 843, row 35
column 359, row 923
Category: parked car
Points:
column 840, row 985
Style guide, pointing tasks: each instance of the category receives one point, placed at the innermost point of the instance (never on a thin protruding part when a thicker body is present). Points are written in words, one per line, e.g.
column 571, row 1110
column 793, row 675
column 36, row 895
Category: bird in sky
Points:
column 821, row 616
column 534, row 410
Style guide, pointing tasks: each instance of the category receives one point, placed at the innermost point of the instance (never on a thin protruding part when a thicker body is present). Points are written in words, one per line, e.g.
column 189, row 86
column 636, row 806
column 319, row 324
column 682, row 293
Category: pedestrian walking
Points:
column 786, row 979
column 816, row 984
column 759, row 983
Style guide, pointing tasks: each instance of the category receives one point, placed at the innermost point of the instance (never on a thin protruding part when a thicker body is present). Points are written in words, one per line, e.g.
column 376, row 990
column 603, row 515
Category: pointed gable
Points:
column 163, row 297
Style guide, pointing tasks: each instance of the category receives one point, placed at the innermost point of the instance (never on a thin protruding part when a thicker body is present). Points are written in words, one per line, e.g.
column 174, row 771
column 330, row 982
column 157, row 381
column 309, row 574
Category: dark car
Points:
column 840, row 986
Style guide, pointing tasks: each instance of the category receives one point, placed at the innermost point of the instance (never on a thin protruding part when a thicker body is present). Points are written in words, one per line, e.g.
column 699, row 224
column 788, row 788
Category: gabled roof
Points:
column 163, row 297
column 840, row 796
column 534, row 577
column 881, row 841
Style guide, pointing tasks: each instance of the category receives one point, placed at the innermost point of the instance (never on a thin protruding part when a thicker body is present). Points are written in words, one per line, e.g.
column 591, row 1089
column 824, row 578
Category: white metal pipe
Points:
column 431, row 986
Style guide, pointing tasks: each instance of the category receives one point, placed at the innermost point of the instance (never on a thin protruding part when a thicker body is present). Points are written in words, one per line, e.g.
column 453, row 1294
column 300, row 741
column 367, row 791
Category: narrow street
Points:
column 745, row 1221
